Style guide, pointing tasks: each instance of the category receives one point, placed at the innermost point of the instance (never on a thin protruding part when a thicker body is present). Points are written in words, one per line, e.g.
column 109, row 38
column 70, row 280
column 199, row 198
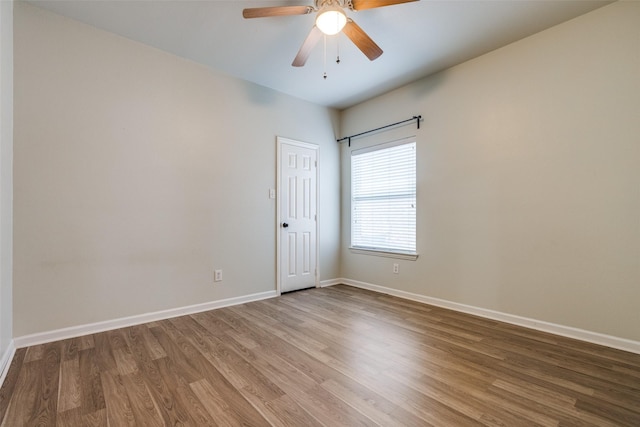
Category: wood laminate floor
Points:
column 336, row 356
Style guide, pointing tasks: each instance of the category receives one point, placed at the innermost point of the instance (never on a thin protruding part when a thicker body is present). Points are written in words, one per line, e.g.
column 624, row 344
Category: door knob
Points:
column 285, row 225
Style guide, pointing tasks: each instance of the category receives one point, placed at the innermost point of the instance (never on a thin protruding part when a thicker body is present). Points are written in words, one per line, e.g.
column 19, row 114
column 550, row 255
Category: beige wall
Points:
column 529, row 177
column 138, row 173
column 6, row 174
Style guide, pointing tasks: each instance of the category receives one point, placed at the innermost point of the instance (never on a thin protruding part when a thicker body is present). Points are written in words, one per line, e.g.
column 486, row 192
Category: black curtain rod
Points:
column 416, row 118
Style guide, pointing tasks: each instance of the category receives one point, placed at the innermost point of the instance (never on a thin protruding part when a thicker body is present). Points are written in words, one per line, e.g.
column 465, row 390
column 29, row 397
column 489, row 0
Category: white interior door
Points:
column 297, row 201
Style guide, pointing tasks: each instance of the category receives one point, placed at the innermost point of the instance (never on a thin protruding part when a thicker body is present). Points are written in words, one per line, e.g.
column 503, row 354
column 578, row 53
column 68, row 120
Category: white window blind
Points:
column 383, row 198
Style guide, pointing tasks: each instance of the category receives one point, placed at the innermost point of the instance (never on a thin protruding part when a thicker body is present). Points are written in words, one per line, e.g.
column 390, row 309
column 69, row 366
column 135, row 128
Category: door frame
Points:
column 279, row 142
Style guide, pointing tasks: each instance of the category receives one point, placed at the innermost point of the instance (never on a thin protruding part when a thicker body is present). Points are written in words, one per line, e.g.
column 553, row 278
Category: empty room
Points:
column 320, row 213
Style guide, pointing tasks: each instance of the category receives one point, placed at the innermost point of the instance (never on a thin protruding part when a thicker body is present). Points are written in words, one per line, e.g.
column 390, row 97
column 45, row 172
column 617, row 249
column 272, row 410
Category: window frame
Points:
column 382, row 252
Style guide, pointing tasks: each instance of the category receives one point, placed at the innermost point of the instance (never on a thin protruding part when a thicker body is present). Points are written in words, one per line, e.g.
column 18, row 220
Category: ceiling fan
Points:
column 331, row 19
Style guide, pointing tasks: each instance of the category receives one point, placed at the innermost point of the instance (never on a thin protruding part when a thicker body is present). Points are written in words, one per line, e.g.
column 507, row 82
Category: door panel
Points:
column 292, row 263
column 298, row 216
column 292, row 192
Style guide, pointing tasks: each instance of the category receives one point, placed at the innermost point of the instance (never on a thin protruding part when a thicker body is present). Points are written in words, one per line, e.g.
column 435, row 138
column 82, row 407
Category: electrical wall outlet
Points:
column 396, row 268
column 217, row 276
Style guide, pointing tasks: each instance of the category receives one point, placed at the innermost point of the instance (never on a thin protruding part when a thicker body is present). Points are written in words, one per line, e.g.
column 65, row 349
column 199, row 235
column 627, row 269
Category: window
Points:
column 383, row 198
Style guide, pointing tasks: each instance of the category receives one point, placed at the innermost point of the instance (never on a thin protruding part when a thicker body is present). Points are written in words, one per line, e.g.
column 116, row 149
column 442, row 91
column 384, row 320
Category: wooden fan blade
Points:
column 305, row 49
column 370, row 4
column 362, row 40
column 265, row 12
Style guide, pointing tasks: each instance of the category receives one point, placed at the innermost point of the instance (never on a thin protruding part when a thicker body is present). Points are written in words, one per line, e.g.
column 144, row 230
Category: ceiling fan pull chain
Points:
column 325, row 57
column 338, row 48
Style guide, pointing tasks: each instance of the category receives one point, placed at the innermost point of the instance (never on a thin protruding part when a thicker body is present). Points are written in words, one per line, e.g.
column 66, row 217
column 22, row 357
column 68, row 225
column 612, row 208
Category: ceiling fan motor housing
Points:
column 343, row 4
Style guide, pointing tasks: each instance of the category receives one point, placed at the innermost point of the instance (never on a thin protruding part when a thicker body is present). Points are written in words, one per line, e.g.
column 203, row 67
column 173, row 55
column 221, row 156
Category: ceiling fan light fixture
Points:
column 331, row 20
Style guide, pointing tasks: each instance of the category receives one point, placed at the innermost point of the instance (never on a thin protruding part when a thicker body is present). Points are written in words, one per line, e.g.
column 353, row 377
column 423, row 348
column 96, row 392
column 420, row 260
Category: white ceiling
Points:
column 418, row 38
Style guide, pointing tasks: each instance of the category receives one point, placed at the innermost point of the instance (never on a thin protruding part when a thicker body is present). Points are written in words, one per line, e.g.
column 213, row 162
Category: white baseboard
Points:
column 5, row 361
column 565, row 331
column 92, row 328
column 76, row 331
column 331, row 282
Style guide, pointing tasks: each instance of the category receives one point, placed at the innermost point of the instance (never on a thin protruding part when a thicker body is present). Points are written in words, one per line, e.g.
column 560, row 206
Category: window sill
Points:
column 386, row 254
